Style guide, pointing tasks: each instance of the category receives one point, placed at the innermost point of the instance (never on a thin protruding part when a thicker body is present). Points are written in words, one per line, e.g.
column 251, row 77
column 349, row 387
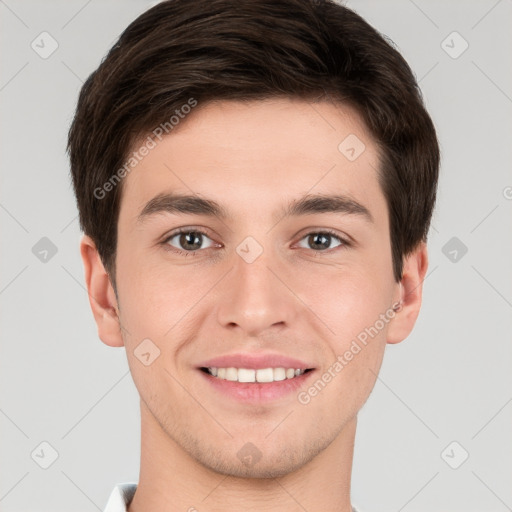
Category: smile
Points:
column 254, row 375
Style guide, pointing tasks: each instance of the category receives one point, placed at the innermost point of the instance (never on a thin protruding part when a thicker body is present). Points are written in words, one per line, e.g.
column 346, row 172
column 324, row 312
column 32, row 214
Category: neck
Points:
column 171, row 480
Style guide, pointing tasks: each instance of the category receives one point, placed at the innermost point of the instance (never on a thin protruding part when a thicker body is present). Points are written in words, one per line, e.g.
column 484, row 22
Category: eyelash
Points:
column 167, row 246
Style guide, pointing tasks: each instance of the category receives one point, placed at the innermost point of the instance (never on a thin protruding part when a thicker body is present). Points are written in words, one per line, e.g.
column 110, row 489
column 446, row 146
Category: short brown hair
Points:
column 252, row 50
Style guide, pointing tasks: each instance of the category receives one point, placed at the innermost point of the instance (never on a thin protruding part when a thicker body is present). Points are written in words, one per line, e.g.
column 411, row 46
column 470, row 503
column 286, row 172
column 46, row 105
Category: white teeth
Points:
column 245, row 375
column 279, row 374
column 251, row 375
column 231, row 374
column 265, row 375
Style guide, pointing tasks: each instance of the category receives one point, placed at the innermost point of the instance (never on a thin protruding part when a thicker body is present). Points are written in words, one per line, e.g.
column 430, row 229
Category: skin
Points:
column 294, row 299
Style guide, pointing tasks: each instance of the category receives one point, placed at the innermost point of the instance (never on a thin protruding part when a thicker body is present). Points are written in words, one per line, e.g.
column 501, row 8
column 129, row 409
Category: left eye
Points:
column 320, row 239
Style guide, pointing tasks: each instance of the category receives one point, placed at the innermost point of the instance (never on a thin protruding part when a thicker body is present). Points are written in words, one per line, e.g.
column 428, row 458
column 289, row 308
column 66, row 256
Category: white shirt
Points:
column 122, row 495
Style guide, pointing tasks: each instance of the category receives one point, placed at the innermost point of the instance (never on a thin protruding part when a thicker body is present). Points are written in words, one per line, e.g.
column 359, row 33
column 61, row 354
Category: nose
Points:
column 255, row 296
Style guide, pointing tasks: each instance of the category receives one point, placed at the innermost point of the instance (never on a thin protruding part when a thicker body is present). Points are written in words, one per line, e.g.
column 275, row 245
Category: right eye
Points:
column 187, row 240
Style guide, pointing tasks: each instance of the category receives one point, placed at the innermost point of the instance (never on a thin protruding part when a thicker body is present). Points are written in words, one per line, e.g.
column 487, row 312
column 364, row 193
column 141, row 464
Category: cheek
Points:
column 354, row 310
column 348, row 299
column 158, row 300
column 146, row 296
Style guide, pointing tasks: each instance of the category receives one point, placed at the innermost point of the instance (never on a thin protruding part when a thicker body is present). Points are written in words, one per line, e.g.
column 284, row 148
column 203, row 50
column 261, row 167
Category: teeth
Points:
column 265, row 375
column 231, row 374
column 245, row 375
column 279, row 374
column 250, row 375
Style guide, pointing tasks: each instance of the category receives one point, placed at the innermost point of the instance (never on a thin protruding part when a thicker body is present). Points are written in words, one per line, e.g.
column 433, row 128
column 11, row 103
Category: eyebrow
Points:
column 306, row 205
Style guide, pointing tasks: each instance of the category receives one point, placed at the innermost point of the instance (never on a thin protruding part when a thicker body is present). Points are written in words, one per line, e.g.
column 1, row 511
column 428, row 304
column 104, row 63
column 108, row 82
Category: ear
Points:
column 411, row 289
column 102, row 297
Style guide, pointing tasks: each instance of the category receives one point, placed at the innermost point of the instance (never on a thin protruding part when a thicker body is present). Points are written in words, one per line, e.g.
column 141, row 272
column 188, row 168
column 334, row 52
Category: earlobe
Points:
column 101, row 295
column 411, row 289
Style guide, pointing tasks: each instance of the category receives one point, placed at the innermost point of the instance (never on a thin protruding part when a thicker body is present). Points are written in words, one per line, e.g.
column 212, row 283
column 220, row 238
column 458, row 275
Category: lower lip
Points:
column 257, row 392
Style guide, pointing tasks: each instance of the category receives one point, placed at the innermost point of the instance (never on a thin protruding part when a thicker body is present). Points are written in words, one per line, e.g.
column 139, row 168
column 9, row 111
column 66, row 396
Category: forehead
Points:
column 248, row 156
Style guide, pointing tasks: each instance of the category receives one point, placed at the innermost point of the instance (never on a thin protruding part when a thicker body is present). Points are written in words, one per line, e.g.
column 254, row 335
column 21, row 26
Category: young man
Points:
column 255, row 182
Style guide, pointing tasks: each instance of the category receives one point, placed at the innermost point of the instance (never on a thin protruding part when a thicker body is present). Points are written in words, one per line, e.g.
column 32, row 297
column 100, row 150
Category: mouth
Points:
column 251, row 386
column 251, row 375
column 255, row 378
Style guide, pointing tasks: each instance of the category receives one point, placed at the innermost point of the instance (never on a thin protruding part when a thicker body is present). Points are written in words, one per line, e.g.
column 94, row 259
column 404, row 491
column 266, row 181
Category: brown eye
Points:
column 188, row 240
column 322, row 240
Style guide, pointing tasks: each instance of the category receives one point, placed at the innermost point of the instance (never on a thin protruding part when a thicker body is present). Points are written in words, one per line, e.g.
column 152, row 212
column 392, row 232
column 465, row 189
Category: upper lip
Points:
column 255, row 361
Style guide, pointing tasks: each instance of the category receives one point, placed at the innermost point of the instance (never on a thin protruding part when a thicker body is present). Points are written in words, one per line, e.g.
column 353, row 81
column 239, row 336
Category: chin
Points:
column 267, row 461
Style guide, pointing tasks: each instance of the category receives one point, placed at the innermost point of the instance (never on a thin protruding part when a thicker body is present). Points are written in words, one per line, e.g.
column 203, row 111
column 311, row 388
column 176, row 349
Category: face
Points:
column 253, row 283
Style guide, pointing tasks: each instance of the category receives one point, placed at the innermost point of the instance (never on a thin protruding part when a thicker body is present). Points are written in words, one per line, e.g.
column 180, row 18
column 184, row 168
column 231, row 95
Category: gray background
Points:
column 450, row 381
